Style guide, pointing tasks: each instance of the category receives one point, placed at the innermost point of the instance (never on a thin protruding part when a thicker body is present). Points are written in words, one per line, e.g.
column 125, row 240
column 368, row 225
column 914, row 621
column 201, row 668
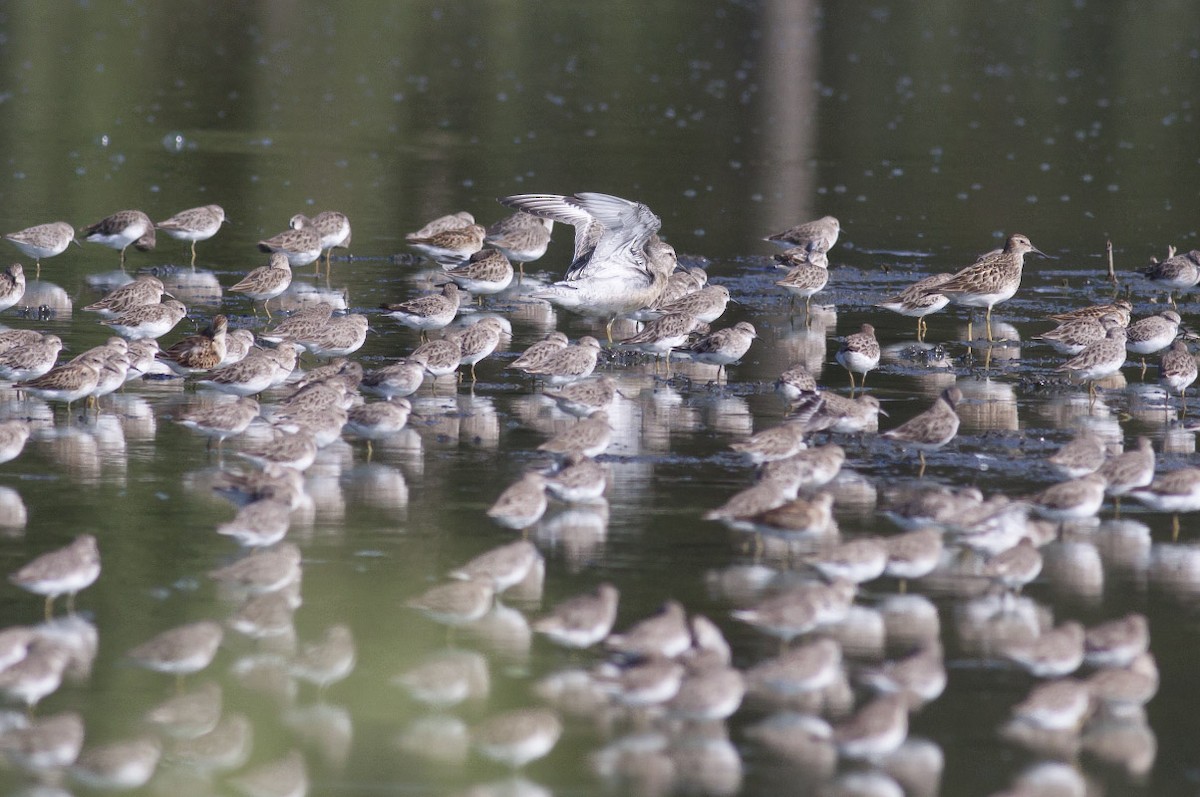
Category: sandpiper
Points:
column 859, row 353
column 479, row 340
column 620, row 264
column 662, row 335
column 1077, row 499
column 1121, row 308
column 456, row 603
column 12, row 285
column 777, row 442
column 993, row 278
column 1176, row 492
column 181, row 651
column 222, row 420
column 300, row 246
column 281, row 776
column 293, row 450
column 332, row 226
column 584, row 397
column 67, row 383
column 148, row 321
column 583, row 620
column 805, row 668
column 340, row 336
column 258, row 524
column 569, row 364
column 1177, row 370
column 915, row 302
column 248, row 377
column 1072, row 337
column 581, row 480
column 514, row 738
column 504, row 567
column 1117, row 643
column 65, row 571
column 1054, row 654
column 1152, row 334
column 705, row 305
column 919, row 677
column 31, row 360
column 913, row 554
column 425, row 313
column 664, row 634
column 198, row 353
column 812, row 236
column 1059, row 705
column 522, row 504
column 1016, row 567
column 876, row 730
column 327, row 660
column 266, row 282
column 486, row 272
column 37, row 675
column 522, row 237
column 143, row 289
column 440, row 357
column 1098, row 360
column 1176, row 273
column 303, row 323
column 378, row 420
column 118, row 766
column 193, row 225
column 858, row 560
column 452, row 221
column 795, row 381
column 798, row 517
column 589, row 436
column 450, row 248
column 13, row 435
column 804, row 280
column 800, row 609
column 447, row 679
column 723, row 347
column 933, row 428
column 1128, row 471
column 120, row 230
column 813, row 467
column 263, row 570
column 401, row 378
column 540, row 351
column 44, row 240
column 45, row 745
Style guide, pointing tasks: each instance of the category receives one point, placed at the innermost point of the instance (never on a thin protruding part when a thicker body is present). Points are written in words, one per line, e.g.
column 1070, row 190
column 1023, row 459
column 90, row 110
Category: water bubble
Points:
column 174, row 142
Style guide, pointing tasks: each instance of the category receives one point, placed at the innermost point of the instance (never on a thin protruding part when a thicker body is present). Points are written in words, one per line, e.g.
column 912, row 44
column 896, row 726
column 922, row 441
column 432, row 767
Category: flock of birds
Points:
column 674, row 678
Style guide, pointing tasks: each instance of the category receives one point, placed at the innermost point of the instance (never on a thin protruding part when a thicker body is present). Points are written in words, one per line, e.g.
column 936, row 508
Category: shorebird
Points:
column 915, row 302
column 120, row 230
column 44, row 240
column 195, row 224
column 991, row 279
column 931, row 429
column 812, row 236
column 859, row 354
column 620, row 264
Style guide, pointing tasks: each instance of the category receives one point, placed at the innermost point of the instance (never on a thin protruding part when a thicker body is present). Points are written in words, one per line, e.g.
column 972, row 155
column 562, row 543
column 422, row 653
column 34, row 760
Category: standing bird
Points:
column 522, row 237
column 813, row 236
column 620, row 264
column 44, row 240
column 120, row 230
column 931, row 429
column 1177, row 370
column 914, row 302
column 991, row 279
column 195, row 224
column 266, row 282
column 1098, row 360
column 1152, row 334
column 1176, row 273
column 859, row 354
column 333, row 228
column 12, row 285
column 300, row 245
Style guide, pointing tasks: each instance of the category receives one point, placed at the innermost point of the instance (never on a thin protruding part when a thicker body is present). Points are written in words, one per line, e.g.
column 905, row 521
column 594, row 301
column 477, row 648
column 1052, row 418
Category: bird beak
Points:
column 884, row 412
column 1037, row 251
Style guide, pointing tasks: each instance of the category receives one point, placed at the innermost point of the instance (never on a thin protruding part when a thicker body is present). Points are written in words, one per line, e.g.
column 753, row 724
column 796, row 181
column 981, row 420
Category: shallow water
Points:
column 930, row 132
